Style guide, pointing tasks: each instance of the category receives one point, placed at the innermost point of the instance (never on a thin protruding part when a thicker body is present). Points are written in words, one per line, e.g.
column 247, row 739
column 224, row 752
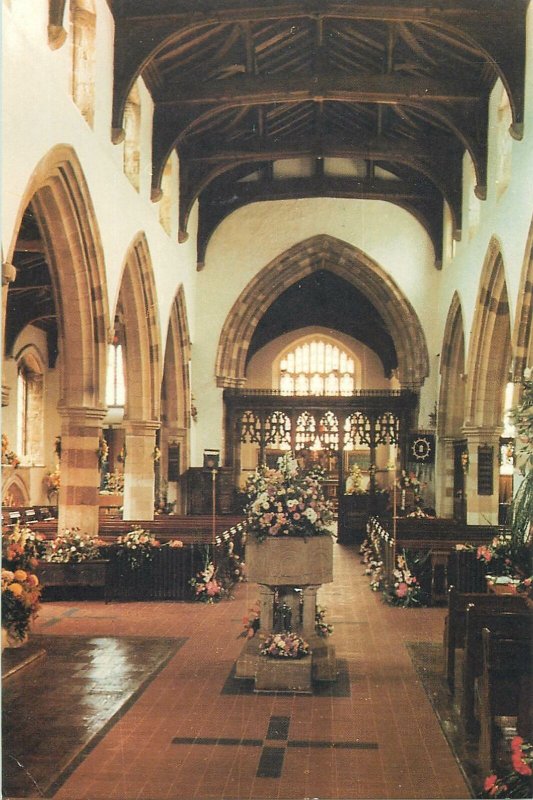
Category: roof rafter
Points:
column 139, row 35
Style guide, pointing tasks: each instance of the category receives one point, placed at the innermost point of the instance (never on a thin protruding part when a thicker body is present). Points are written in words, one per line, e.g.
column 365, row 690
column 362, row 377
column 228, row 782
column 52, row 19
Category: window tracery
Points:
column 317, row 367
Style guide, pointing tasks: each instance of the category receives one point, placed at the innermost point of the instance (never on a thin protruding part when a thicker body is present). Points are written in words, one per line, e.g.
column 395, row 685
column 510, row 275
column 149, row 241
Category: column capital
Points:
column 9, row 273
column 475, row 433
column 141, row 427
column 83, row 414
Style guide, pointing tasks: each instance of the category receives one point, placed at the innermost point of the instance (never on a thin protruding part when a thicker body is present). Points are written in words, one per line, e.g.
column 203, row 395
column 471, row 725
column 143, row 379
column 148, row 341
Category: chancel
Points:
column 267, row 443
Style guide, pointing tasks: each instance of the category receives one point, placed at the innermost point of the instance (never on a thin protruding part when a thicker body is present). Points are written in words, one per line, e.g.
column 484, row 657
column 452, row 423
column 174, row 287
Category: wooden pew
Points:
column 455, row 622
column 508, row 625
column 504, row 690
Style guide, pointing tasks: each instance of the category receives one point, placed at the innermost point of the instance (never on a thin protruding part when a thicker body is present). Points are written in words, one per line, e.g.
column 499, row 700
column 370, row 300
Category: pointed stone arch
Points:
column 176, row 398
column 62, row 205
column 451, row 408
column 523, row 327
column 490, row 351
column 61, row 201
column 137, row 309
column 452, row 370
column 140, row 337
column 14, row 489
column 348, row 262
column 176, row 381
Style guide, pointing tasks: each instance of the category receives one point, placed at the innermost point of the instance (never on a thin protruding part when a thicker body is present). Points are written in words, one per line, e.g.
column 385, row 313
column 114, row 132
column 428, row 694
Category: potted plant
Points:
column 521, row 510
column 20, row 604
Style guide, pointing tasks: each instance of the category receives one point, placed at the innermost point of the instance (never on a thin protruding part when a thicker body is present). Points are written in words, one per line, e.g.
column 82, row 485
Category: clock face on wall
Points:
column 422, row 448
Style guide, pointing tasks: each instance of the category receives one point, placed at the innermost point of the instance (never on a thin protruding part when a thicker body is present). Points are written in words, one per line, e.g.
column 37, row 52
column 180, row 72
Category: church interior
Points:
column 267, row 288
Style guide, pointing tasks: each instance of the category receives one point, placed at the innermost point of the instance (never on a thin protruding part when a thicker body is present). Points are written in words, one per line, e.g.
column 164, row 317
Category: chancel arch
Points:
column 489, row 366
column 450, row 486
column 175, row 407
column 140, row 339
column 322, row 252
column 66, row 237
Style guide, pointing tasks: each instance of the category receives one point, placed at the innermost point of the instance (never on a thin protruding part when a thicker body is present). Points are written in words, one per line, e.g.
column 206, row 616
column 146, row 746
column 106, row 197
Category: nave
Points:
column 193, row 734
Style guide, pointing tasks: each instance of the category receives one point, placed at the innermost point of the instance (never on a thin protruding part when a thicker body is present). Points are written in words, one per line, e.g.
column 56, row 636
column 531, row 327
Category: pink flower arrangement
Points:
column 284, row 645
column 285, row 502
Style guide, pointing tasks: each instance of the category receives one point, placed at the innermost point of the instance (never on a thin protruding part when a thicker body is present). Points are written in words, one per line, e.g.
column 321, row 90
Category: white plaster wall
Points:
column 507, row 216
column 253, row 236
column 260, row 373
column 37, row 98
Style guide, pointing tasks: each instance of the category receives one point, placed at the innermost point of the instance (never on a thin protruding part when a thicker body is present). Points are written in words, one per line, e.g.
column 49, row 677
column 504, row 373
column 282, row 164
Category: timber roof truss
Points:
column 397, row 89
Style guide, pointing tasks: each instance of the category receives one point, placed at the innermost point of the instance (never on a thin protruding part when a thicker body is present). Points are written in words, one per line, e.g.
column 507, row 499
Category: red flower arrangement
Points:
column 517, row 782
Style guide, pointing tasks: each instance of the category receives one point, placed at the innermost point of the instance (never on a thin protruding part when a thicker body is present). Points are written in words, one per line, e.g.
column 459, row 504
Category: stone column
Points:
column 139, row 469
column 482, row 509
column 444, row 469
column 266, row 605
column 80, row 476
column 9, row 274
column 309, row 610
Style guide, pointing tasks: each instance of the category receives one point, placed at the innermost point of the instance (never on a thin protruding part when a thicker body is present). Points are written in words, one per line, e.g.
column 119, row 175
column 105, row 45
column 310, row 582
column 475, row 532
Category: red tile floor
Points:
column 387, row 708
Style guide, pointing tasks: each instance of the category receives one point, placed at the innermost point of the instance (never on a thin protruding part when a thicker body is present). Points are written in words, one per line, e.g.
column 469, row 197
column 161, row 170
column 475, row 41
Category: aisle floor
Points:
column 187, row 737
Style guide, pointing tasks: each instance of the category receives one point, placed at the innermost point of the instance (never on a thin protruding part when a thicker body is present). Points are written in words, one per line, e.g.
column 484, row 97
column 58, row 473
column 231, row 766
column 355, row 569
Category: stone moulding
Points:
column 290, row 560
column 283, row 674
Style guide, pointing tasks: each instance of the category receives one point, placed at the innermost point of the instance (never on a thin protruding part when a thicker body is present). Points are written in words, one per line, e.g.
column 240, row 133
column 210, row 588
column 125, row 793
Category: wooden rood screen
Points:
column 335, row 424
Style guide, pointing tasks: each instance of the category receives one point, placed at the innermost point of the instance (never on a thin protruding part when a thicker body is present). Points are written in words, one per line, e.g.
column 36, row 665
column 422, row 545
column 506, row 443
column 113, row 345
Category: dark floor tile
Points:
column 271, row 762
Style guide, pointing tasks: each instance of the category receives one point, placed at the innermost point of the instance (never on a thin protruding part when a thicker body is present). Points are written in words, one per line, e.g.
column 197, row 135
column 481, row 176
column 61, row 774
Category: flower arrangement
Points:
column 498, row 554
column 20, row 601
column 9, row 457
column 113, row 483
column 374, row 565
column 53, row 482
column 410, row 481
column 102, row 452
column 22, row 547
column 517, row 782
column 252, row 623
column 72, row 547
column 406, row 590
column 285, row 502
column 136, row 547
column 322, row 628
column 354, row 481
column 284, row 645
column 206, row 587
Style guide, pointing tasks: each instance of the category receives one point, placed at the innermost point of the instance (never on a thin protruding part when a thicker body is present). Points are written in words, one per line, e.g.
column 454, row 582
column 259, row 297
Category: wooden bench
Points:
column 455, row 622
column 504, row 690
column 508, row 625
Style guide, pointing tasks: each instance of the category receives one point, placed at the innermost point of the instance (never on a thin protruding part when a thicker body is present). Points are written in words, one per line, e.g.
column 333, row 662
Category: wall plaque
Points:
column 485, row 470
column 173, row 472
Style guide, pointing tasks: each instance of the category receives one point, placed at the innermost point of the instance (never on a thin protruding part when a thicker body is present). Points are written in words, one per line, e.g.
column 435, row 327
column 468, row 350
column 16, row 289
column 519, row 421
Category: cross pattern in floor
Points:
column 154, row 749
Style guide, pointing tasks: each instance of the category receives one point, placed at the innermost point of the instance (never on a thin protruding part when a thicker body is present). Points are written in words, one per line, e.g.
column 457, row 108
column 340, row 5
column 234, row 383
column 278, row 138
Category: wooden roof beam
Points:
column 426, row 207
column 491, row 27
column 297, row 88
